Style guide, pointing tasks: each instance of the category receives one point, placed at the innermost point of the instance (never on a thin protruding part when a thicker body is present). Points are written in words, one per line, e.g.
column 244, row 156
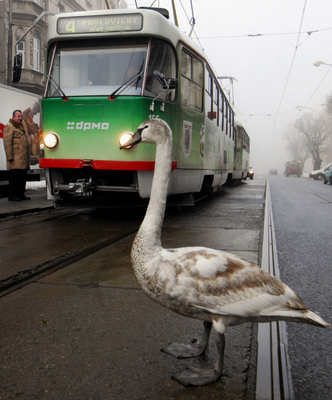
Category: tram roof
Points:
column 153, row 24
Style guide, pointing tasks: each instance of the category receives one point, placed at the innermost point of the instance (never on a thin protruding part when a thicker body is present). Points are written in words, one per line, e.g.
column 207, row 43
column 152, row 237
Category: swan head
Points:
column 151, row 131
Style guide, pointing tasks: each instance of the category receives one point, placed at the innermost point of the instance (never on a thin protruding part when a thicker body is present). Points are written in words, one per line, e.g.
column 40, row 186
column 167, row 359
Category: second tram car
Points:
column 108, row 71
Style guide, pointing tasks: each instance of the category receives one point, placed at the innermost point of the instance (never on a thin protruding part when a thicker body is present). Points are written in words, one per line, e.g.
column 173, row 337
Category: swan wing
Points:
column 223, row 284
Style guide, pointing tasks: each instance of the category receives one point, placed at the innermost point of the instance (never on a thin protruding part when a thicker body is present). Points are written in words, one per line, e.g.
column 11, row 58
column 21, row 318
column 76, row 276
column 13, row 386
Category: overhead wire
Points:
column 322, row 80
column 191, row 21
column 292, row 62
column 258, row 35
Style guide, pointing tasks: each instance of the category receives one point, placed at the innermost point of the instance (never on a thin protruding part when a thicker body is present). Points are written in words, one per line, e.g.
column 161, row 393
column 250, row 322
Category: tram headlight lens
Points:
column 124, row 138
column 51, row 140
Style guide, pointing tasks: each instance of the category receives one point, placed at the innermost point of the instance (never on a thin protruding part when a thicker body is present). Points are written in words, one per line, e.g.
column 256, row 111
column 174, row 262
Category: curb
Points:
column 273, row 373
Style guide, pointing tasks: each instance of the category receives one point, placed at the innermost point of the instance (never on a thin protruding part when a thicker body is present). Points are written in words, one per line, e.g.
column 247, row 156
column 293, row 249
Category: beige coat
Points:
column 17, row 146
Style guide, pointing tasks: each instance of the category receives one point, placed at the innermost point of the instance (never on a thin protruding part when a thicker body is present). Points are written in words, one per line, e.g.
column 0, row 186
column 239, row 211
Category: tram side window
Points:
column 230, row 120
column 246, row 142
column 192, row 79
column 226, row 117
column 208, row 95
column 232, row 124
column 232, row 127
column 221, row 110
column 162, row 59
column 239, row 137
column 216, row 103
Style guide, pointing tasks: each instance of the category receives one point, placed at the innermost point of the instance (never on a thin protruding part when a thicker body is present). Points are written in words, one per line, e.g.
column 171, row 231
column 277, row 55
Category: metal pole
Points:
column 35, row 22
column 10, row 45
column 174, row 12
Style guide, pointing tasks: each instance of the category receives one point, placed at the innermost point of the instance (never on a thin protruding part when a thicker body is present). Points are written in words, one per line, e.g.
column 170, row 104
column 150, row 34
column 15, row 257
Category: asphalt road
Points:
column 302, row 211
column 88, row 332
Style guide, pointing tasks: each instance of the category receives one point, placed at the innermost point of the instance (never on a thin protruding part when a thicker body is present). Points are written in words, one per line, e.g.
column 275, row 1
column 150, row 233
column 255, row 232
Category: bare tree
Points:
column 296, row 146
column 328, row 104
column 315, row 131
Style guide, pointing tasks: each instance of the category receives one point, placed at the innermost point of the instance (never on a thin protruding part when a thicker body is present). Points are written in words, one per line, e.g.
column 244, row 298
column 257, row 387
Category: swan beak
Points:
column 134, row 139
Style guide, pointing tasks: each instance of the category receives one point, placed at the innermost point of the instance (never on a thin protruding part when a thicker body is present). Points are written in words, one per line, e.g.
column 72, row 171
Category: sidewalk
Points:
column 38, row 202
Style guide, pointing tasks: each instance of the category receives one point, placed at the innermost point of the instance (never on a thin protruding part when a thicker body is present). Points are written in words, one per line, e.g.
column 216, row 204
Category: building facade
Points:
column 16, row 17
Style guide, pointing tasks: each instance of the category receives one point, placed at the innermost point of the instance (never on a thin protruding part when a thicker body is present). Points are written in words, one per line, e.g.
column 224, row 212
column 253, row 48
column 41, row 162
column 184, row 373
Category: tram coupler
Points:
column 82, row 187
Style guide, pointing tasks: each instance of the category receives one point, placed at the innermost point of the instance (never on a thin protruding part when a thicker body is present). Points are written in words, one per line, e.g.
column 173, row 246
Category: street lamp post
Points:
column 300, row 108
column 319, row 63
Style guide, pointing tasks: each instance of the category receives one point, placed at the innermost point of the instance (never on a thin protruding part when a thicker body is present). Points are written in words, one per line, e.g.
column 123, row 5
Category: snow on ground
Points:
column 36, row 185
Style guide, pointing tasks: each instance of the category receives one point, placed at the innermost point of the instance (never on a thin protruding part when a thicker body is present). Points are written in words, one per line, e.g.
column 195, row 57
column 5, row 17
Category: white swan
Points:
column 217, row 287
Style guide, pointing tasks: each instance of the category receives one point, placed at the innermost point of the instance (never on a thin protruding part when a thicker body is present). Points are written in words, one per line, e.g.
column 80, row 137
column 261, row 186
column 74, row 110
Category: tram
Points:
column 108, row 71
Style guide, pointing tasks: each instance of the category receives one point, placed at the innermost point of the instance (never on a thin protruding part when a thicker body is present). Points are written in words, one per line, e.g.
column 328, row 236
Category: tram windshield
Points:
column 103, row 70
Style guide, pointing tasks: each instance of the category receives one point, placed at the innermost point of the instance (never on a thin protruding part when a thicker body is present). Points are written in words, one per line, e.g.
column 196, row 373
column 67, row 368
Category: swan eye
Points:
column 140, row 130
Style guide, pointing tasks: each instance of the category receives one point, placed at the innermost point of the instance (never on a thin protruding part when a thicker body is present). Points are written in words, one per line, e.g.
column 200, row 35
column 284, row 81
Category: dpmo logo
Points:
column 88, row 126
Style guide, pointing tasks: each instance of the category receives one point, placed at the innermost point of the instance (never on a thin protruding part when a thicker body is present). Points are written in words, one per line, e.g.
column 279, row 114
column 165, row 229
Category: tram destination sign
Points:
column 99, row 24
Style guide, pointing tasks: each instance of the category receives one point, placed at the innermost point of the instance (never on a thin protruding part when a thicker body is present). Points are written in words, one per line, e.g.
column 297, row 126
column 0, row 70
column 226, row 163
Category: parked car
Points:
column 328, row 175
column 250, row 173
column 319, row 173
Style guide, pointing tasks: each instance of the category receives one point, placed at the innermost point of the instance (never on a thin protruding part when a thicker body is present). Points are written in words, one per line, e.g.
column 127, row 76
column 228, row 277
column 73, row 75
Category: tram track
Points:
column 33, row 273
column 28, row 275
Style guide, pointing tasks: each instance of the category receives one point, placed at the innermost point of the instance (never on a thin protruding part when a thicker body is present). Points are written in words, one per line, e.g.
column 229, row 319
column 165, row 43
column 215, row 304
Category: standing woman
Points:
column 17, row 147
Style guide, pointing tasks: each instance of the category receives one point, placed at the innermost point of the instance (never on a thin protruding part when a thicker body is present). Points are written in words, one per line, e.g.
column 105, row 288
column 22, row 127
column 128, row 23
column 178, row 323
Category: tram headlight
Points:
column 51, row 140
column 126, row 137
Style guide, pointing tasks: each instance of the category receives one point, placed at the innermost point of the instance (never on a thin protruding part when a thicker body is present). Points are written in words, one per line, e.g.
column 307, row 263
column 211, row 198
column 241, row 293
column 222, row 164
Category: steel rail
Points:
column 31, row 274
column 273, row 371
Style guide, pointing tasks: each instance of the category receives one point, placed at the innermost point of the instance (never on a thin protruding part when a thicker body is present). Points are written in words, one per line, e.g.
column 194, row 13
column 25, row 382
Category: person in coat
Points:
column 17, row 148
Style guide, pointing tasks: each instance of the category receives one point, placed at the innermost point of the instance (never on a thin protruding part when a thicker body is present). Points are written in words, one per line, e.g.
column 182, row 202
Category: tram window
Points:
column 239, row 137
column 222, row 104
column 233, row 133
column 198, row 71
column 186, row 65
column 208, row 83
column 96, row 70
column 208, row 94
column 192, row 78
column 216, row 103
column 161, row 58
column 226, row 116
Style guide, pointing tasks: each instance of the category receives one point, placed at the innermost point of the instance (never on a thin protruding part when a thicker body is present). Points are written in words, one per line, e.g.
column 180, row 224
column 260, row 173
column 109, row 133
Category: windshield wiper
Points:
column 137, row 76
column 63, row 96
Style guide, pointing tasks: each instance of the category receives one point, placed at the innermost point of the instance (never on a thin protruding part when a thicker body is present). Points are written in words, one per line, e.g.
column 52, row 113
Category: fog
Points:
column 269, row 47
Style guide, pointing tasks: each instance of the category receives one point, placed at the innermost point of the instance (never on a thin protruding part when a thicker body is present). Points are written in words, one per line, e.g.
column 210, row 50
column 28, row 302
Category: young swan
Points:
column 211, row 285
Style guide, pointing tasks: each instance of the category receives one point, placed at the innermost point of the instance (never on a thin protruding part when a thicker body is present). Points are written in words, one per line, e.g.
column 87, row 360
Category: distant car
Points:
column 319, row 173
column 328, row 175
column 250, row 174
column 273, row 172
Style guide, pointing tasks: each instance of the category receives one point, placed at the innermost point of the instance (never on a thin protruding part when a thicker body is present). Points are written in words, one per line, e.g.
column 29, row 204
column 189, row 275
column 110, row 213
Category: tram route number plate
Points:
column 99, row 23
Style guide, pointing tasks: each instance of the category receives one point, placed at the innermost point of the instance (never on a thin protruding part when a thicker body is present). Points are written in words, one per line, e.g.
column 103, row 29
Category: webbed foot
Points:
column 201, row 376
column 197, row 376
column 179, row 350
column 187, row 350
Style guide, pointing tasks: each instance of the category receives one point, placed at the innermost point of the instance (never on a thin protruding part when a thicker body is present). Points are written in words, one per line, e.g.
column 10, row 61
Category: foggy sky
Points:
column 258, row 43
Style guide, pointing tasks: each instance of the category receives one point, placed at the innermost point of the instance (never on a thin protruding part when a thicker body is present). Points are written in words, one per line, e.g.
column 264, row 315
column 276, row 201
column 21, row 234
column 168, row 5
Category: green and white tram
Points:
column 108, row 71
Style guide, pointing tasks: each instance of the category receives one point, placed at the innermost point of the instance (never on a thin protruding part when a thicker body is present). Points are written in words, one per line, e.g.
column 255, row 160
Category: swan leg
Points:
column 186, row 350
column 200, row 376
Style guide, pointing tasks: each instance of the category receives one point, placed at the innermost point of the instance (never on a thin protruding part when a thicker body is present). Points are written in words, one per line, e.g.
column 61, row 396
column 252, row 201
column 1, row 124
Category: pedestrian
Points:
column 17, row 147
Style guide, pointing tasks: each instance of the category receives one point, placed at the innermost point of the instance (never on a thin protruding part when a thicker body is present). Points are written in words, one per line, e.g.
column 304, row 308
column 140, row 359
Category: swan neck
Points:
column 153, row 220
